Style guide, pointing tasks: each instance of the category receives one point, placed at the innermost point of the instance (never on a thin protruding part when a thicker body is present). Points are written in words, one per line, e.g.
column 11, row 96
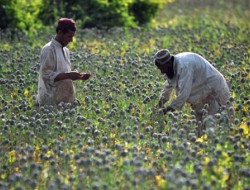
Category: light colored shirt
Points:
column 195, row 81
column 55, row 59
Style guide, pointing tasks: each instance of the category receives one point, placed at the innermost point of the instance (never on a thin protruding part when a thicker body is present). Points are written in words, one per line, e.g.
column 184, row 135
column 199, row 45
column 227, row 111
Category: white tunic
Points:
column 55, row 59
column 197, row 82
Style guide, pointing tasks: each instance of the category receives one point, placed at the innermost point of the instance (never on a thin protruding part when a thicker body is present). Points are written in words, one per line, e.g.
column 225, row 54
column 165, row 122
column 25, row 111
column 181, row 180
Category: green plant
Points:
column 143, row 11
column 3, row 17
column 23, row 15
column 107, row 13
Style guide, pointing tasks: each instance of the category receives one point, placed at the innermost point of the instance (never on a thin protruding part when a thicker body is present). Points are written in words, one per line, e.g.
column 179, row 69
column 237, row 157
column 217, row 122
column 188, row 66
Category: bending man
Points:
column 195, row 81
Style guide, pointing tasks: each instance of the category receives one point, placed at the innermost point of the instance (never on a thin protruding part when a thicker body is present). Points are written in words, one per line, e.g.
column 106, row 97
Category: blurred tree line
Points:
column 215, row 3
column 31, row 15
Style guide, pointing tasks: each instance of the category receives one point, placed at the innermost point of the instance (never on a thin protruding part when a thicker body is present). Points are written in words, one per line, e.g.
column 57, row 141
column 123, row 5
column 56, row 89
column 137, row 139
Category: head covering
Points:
column 66, row 24
column 162, row 56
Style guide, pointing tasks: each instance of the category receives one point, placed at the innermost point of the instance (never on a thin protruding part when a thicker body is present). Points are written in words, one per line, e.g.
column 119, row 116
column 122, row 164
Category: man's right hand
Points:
column 73, row 75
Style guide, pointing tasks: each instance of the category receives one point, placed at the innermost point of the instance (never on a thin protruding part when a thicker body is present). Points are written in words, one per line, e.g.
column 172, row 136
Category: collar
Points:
column 175, row 66
column 56, row 43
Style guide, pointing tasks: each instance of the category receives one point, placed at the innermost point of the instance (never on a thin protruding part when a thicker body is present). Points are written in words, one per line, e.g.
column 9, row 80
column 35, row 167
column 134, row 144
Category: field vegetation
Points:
column 110, row 138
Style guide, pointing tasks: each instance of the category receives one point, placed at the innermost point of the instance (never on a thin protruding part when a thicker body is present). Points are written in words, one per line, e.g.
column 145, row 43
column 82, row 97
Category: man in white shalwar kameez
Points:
column 195, row 81
column 55, row 83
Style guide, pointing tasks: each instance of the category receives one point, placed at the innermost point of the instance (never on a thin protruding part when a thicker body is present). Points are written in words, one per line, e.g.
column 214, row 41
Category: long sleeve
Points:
column 165, row 93
column 48, row 66
column 184, row 87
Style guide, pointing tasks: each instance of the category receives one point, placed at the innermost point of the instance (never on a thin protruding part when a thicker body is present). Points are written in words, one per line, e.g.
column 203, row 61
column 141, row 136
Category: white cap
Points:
column 162, row 56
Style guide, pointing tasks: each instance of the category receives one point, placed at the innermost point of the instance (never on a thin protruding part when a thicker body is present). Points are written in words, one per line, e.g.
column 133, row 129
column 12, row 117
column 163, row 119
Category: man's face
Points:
column 66, row 38
column 163, row 68
column 166, row 69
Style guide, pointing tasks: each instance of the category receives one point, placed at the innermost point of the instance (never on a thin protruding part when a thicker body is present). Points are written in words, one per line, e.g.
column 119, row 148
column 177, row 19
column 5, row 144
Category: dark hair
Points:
column 66, row 24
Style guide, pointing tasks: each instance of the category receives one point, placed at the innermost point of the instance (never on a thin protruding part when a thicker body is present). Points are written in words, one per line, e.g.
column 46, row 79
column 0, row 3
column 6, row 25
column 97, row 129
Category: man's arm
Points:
column 165, row 94
column 185, row 82
column 48, row 65
column 72, row 75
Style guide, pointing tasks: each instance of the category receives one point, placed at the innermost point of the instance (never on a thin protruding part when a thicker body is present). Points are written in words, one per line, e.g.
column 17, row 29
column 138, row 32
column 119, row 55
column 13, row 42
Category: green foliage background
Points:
column 111, row 140
column 29, row 15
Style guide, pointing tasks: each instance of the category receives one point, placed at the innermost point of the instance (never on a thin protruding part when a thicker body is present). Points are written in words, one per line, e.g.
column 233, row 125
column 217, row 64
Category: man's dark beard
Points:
column 170, row 73
column 170, row 70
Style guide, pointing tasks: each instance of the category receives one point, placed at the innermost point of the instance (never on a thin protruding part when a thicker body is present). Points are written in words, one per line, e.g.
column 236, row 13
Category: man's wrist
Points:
column 161, row 102
column 68, row 76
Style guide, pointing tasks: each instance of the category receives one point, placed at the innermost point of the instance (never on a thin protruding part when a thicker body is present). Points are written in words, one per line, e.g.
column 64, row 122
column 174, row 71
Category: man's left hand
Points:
column 167, row 109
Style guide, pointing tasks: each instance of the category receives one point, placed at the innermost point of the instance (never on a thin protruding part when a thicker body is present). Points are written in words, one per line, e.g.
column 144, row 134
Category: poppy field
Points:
column 111, row 137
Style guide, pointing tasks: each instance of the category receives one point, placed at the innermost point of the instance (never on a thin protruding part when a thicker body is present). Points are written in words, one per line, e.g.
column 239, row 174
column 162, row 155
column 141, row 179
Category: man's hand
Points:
column 76, row 76
column 73, row 75
column 167, row 109
column 85, row 76
column 161, row 103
